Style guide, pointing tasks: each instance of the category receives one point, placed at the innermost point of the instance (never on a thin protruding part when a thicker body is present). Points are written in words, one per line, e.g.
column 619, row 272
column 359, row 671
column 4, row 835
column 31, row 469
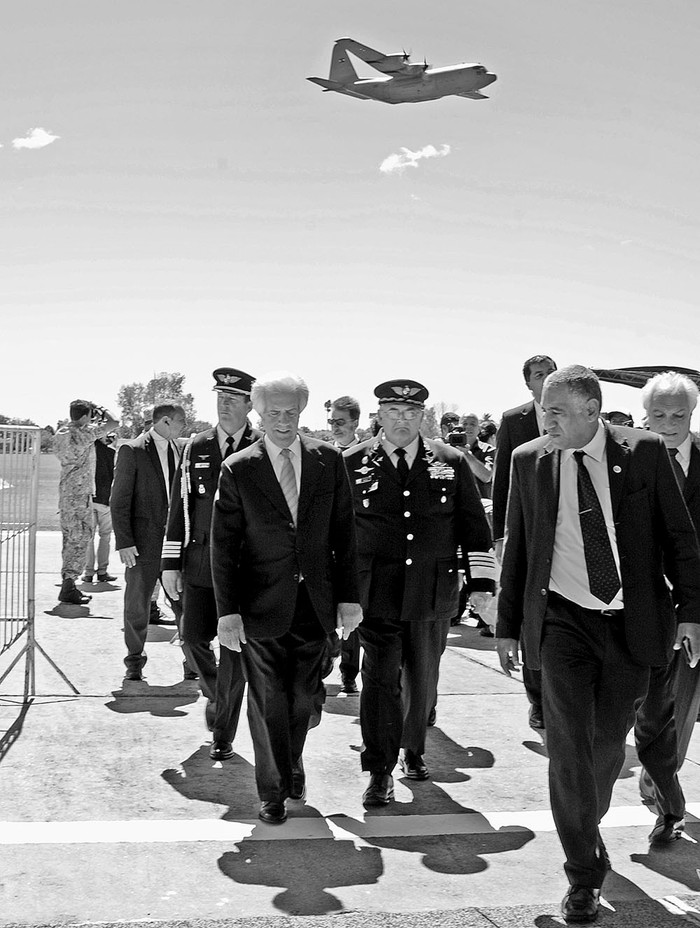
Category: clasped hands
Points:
column 231, row 632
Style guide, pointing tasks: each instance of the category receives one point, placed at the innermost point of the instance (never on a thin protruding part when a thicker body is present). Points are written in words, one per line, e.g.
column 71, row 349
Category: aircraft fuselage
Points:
column 430, row 84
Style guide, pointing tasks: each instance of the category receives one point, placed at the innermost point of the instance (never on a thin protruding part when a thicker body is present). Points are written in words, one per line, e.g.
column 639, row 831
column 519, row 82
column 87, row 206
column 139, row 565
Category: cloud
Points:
column 399, row 161
column 35, row 138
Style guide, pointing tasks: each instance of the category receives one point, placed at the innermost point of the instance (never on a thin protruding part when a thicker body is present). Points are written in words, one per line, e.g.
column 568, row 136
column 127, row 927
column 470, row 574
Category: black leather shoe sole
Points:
column 272, row 813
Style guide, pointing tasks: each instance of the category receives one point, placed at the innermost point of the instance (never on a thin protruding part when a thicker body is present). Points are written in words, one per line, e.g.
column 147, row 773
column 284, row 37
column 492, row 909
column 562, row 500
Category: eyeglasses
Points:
column 340, row 422
column 397, row 414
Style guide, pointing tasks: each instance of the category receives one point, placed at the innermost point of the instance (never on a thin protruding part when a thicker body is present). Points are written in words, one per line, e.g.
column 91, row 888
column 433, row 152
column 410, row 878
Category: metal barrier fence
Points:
column 20, row 447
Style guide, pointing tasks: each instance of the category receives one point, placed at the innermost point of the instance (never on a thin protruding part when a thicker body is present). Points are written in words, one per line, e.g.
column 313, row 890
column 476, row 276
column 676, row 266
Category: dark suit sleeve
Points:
column 227, row 533
column 121, row 498
column 514, row 568
column 474, row 534
column 171, row 558
column 501, row 477
column 342, row 540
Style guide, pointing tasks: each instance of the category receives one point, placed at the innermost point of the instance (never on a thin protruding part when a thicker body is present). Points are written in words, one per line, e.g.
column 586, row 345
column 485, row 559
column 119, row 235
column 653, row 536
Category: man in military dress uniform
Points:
column 185, row 558
column 75, row 449
column 415, row 504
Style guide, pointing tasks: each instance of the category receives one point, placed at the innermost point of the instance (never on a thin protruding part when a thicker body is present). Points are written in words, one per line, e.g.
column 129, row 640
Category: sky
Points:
column 175, row 196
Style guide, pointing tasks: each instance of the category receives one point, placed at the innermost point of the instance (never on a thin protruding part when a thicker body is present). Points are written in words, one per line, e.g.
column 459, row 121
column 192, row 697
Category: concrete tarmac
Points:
column 112, row 811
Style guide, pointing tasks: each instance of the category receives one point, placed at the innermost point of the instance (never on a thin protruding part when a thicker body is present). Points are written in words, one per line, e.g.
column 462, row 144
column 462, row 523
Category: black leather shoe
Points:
column 432, row 717
column 156, row 617
column 536, row 721
column 667, row 829
column 105, row 578
column 70, row 594
column 188, row 674
column 221, row 750
column 349, row 687
column 86, row 578
column 298, row 781
column 380, row 790
column 580, row 904
column 413, row 766
column 133, row 675
column 274, row 813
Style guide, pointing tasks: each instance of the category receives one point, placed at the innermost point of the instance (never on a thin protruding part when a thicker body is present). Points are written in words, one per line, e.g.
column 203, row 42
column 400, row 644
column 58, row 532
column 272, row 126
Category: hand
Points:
column 349, row 617
column 128, row 556
column 498, row 546
column 172, row 583
column 231, row 632
column 688, row 637
column 508, row 654
column 479, row 601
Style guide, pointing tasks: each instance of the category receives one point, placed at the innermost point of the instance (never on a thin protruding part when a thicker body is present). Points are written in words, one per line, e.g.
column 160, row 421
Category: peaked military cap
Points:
column 229, row 380
column 402, row 391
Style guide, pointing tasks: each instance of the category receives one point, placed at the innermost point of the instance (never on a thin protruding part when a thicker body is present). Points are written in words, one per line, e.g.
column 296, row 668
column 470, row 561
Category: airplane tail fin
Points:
column 342, row 69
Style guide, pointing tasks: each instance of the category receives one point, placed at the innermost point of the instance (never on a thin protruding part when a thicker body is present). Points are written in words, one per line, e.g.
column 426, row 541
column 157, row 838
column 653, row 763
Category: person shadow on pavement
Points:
column 160, row 701
column 272, row 855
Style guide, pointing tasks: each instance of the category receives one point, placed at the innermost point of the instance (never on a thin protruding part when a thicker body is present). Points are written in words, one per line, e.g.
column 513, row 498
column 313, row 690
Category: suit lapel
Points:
column 692, row 482
column 211, row 447
column 617, row 452
column 152, row 451
column 264, row 475
column 420, row 463
column 547, row 496
column 311, row 469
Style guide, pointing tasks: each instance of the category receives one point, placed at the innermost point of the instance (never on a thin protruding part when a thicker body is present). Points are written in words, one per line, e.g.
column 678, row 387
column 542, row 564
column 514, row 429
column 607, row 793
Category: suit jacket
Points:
column 654, row 533
column 195, row 488
column 518, row 425
column 408, row 537
column 139, row 498
column 257, row 555
column 691, row 490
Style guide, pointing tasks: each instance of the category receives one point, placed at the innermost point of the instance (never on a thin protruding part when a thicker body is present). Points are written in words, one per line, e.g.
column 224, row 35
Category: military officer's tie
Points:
column 288, row 482
column 402, row 465
column 677, row 468
column 229, row 445
column 603, row 578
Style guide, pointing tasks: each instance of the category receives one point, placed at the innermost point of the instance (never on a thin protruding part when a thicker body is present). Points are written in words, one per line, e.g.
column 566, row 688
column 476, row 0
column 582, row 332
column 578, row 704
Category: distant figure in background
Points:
column 344, row 420
column 487, row 432
column 102, row 517
column 615, row 417
column 479, row 455
column 74, row 446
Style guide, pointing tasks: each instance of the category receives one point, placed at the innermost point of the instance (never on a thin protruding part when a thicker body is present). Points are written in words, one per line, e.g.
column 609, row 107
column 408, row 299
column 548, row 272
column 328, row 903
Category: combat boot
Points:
column 71, row 594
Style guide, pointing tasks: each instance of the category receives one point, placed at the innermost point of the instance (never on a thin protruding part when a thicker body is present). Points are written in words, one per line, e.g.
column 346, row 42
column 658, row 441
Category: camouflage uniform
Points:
column 75, row 448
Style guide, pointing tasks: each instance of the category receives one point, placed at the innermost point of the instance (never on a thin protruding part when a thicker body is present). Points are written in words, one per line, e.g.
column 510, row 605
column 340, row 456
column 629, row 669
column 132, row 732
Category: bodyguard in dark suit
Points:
column 186, row 554
column 415, row 504
column 143, row 475
column 666, row 718
column 595, row 520
column 284, row 567
column 519, row 425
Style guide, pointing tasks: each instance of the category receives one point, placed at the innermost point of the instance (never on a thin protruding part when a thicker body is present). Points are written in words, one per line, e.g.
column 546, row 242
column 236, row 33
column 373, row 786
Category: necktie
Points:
column 402, row 465
column 677, row 468
column 603, row 578
column 171, row 466
column 288, row 482
column 229, row 445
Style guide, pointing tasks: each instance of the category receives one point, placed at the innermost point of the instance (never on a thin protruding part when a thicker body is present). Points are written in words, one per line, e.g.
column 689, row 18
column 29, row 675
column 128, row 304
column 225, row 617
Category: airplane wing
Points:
column 473, row 95
column 394, row 65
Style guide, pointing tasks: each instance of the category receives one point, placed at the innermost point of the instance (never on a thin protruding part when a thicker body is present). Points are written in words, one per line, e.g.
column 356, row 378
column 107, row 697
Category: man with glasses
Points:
column 415, row 504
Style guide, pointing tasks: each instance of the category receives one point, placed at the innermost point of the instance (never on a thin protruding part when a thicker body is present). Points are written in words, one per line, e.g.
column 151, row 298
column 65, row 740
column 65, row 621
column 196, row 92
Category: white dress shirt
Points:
column 539, row 415
column 411, row 450
column 569, row 574
column 683, row 456
column 223, row 437
column 274, row 453
column 162, row 449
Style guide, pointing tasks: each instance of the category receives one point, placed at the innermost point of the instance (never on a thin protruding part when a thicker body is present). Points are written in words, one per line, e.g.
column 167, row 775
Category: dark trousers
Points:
column 140, row 581
column 350, row 656
column 224, row 685
column 590, row 685
column 285, row 696
column 400, row 671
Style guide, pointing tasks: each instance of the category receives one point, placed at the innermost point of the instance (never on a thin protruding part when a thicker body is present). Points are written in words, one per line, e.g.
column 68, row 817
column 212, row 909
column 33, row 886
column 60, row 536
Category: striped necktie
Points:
column 288, row 482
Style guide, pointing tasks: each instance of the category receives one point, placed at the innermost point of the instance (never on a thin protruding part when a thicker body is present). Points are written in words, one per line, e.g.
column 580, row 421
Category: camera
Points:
column 457, row 437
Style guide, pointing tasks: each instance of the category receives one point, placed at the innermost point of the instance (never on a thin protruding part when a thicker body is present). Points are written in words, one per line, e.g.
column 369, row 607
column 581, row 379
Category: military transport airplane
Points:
column 403, row 81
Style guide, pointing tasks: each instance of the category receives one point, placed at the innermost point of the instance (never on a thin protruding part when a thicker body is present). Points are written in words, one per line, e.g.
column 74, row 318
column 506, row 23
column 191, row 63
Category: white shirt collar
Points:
column 684, row 452
column 223, row 436
column 159, row 440
column 411, row 449
column 595, row 447
column 274, row 450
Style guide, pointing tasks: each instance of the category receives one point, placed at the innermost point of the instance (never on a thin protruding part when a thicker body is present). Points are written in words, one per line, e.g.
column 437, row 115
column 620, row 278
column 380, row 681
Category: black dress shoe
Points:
column 274, row 813
column 380, row 790
column 156, row 617
column 536, row 720
column 413, row 766
column 349, row 687
column 298, row 781
column 133, row 675
column 580, row 904
column 70, row 594
column 221, row 750
column 667, row 829
column 432, row 717
column 105, row 578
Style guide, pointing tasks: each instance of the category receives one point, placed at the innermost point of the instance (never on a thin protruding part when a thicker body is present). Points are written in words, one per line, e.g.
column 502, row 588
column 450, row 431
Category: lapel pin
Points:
column 617, row 469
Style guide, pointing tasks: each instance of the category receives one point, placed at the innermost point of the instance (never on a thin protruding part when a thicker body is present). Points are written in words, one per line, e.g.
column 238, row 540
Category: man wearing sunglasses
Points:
column 415, row 504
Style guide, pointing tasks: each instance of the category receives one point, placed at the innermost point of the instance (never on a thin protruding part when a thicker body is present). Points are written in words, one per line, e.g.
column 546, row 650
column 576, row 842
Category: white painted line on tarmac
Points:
column 177, row 831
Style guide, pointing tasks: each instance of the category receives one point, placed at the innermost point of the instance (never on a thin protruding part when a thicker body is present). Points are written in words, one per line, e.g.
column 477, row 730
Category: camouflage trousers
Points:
column 76, row 525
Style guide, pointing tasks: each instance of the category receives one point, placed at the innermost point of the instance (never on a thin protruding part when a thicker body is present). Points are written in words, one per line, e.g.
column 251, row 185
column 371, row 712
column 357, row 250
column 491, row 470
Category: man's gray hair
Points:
column 671, row 383
column 278, row 382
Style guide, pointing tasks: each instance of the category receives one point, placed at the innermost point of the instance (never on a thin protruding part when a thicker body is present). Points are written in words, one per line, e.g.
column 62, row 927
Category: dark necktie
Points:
column 229, row 445
column 171, row 466
column 603, row 578
column 677, row 468
column 402, row 465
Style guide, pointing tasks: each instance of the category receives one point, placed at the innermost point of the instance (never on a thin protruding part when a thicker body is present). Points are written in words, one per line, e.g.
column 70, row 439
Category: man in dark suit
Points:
column 143, row 476
column 415, row 503
column 666, row 718
column 284, row 567
column 595, row 519
column 519, row 425
column 186, row 555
